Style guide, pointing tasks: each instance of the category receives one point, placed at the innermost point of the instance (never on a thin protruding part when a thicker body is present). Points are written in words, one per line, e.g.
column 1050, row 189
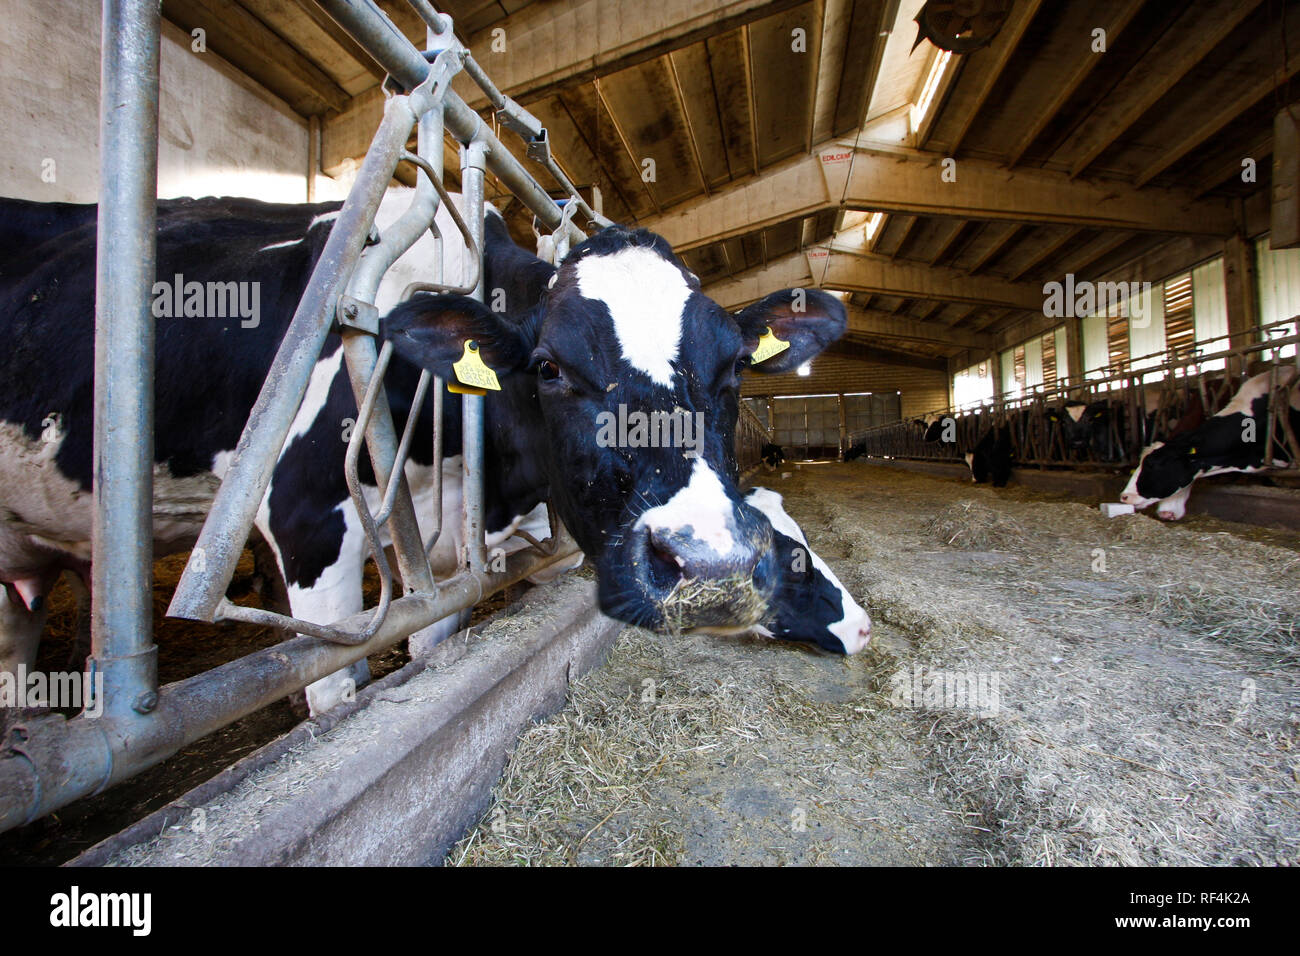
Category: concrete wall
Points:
column 219, row 132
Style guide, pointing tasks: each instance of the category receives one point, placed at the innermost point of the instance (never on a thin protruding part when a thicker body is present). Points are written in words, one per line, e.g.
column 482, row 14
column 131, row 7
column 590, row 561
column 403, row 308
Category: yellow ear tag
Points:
column 474, row 376
column 768, row 345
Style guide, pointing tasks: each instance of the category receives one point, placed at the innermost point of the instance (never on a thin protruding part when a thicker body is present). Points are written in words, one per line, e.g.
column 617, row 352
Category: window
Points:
column 1209, row 307
column 1180, row 325
column 1278, row 275
column 973, row 386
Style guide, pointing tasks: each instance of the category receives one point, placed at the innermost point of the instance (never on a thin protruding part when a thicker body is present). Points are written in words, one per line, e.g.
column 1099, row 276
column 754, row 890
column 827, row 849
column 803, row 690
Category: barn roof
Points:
column 796, row 142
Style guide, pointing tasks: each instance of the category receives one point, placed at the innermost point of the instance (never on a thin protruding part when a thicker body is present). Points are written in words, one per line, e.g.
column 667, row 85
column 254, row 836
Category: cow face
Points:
column 1162, row 472
column 624, row 379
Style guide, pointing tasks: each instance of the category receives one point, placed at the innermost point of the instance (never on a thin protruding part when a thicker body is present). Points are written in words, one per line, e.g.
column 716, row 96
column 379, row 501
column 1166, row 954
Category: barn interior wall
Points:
column 922, row 389
column 219, row 132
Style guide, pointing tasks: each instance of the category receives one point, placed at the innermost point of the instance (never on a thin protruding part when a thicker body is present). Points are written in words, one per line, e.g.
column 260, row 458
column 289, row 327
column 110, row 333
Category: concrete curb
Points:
column 402, row 779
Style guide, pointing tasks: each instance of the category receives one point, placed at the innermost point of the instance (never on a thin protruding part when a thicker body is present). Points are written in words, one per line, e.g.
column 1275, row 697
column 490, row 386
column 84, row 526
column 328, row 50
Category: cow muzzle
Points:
column 695, row 586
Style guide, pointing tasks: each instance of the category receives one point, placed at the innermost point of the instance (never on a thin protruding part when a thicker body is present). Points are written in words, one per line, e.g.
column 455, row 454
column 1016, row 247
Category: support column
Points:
column 1240, row 290
column 1074, row 348
column 122, row 550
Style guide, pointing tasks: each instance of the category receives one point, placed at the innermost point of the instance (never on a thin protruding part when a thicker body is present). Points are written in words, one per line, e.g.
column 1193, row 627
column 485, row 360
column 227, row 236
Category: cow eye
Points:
column 547, row 370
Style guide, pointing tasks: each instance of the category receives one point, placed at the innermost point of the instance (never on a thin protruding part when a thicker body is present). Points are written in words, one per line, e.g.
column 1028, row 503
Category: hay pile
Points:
column 1259, row 622
column 972, row 526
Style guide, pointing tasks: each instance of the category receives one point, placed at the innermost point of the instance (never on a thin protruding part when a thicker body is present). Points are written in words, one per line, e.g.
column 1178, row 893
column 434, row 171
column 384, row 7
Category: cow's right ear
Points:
column 432, row 331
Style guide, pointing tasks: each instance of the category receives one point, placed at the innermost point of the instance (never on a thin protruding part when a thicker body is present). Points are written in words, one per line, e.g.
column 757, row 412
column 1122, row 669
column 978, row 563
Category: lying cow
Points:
column 1233, row 440
column 773, row 456
column 620, row 325
column 810, row 602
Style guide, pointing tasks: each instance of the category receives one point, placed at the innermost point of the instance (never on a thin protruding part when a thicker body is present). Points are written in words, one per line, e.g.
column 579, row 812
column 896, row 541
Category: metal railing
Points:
column 54, row 760
column 751, row 436
column 1146, row 398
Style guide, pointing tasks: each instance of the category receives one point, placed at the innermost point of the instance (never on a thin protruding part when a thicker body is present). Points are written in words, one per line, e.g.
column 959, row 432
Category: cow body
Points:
column 773, row 456
column 620, row 325
column 1233, row 440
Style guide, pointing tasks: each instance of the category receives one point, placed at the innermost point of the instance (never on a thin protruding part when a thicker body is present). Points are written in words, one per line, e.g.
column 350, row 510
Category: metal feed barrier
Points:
column 751, row 436
column 55, row 760
column 1146, row 396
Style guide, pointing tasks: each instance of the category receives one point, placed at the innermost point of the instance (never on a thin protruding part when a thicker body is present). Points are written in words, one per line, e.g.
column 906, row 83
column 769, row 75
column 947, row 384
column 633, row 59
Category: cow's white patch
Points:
column 1075, row 412
column 1254, row 387
column 221, row 463
column 318, row 392
column 854, row 628
column 1174, row 507
column 280, row 245
column 1129, row 495
column 701, row 505
column 645, row 295
column 323, row 217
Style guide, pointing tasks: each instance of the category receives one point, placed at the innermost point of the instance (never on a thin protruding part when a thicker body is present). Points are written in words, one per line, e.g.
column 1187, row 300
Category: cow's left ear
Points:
column 807, row 320
column 432, row 331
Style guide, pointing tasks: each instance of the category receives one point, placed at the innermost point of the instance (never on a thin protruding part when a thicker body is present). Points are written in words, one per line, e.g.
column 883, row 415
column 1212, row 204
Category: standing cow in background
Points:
column 773, row 456
column 1235, row 439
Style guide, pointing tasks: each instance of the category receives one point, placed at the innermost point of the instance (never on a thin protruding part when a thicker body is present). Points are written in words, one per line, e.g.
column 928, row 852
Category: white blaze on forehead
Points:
column 645, row 295
column 1074, row 411
column 702, row 505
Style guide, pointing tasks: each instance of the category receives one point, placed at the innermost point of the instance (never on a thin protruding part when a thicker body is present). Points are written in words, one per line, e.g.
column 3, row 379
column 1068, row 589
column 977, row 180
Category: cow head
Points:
column 624, row 380
column 1162, row 472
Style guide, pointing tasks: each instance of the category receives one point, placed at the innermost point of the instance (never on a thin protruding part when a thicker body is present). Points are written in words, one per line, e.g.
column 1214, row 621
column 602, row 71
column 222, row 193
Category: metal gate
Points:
column 57, row 761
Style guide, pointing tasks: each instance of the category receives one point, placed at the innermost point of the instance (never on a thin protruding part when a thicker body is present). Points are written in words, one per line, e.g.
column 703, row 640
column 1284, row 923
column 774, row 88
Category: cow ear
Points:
column 432, row 331
column 807, row 320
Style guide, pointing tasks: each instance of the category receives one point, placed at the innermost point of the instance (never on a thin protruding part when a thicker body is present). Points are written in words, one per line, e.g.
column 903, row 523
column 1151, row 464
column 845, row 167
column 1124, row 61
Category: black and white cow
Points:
column 989, row 459
column 810, row 603
column 1233, row 440
column 992, row 457
column 621, row 326
column 773, row 456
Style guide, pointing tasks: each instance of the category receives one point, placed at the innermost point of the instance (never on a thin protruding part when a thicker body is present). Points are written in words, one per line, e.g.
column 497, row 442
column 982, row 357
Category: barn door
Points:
column 868, row 409
column 807, row 427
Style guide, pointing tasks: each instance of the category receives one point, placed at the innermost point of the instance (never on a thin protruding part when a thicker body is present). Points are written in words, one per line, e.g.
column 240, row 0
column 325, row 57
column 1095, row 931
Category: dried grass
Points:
column 972, row 526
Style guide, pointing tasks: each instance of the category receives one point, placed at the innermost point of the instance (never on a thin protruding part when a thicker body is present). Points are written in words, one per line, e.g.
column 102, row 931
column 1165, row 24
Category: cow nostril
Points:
column 665, row 565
